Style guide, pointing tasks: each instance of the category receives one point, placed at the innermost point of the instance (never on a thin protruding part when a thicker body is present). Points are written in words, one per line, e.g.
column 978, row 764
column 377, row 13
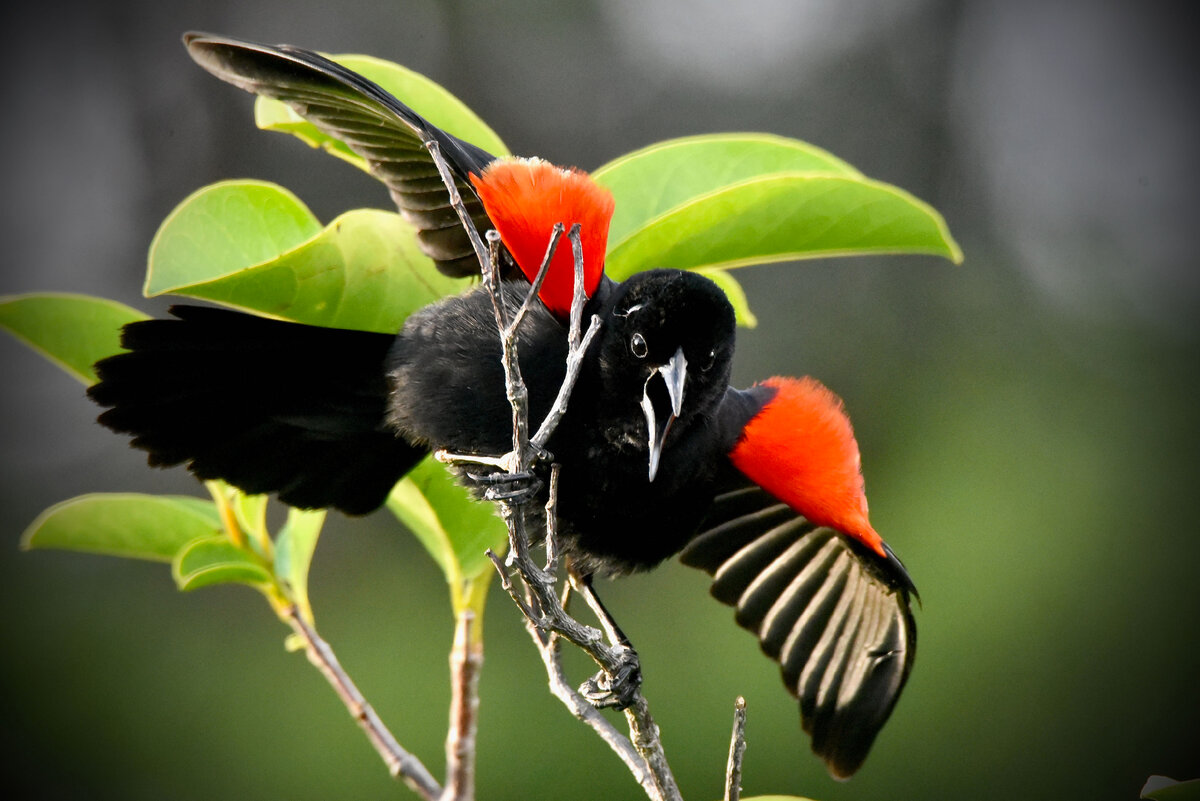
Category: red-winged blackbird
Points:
column 760, row 487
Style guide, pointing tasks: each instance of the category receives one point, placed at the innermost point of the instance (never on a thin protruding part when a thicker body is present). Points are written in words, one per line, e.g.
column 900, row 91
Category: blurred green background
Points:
column 1027, row 420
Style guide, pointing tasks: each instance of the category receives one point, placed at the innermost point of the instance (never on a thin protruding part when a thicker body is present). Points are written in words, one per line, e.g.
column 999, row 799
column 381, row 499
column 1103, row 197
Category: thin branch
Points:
column 560, row 687
column 466, row 659
column 400, row 763
column 737, row 749
column 536, row 287
column 443, row 168
column 551, row 543
column 644, row 733
column 543, row 611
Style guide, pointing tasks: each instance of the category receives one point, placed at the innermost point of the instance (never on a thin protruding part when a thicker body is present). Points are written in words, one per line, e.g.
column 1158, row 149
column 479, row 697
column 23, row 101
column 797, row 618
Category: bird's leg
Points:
column 616, row 689
column 496, row 481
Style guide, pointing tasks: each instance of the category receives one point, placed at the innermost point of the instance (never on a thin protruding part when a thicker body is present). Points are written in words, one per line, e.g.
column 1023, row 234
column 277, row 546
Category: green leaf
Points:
column 429, row 99
column 255, row 246
column 652, row 181
column 216, row 560
column 225, row 227
column 776, row 798
column 73, row 331
column 781, row 217
column 454, row 528
column 131, row 525
column 250, row 511
column 294, row 549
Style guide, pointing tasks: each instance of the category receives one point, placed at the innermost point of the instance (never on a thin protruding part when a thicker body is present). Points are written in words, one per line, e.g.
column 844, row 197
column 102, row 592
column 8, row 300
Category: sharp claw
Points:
column 605, row 691
column 508, row 487
column 519, row 495
column 498, row 478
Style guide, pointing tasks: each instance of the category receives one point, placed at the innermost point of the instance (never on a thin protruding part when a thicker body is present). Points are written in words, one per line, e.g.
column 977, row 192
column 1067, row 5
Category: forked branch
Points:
column 538, row 597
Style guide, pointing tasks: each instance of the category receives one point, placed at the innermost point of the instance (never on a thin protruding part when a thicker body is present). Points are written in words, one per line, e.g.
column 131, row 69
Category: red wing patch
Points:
column 800, row 448
column 524, row 198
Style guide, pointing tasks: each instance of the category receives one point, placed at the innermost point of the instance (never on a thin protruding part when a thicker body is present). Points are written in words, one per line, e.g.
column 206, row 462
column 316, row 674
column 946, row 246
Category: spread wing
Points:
column 308, row 421
column 833, row 614
column 374, row 124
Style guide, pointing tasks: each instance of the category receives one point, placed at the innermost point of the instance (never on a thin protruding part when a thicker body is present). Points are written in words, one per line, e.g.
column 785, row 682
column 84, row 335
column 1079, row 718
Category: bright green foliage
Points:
column 294, row 547
column 455, row 530
column 216, row 560
column 709, row 203
column 656, row 179
column 427, row 98
column 131, row 525
column 255, row 246
column 73, row 331
column 783, row 217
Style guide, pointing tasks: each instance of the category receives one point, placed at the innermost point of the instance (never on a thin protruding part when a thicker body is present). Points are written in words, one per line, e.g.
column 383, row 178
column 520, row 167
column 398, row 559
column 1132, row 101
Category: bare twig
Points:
column 435, row 152
column 541, row 606
column 575, row 345
column 737, row 748
column 536, row 287
column 400, row 763
column 466, row 658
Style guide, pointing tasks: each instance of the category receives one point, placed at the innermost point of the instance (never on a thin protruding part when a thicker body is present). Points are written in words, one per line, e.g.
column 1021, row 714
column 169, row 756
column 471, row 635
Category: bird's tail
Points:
column 268, row 406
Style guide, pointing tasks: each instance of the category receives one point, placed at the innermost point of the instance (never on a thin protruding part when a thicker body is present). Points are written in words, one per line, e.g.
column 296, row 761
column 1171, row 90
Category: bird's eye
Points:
column 709, row 360
column 637, row 344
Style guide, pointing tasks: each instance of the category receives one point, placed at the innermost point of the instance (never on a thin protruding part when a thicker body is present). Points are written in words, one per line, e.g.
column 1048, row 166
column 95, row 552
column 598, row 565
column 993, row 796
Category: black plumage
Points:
column 333, row 418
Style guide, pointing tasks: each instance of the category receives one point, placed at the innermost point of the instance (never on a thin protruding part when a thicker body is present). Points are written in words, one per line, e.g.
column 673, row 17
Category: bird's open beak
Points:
column 658, row 420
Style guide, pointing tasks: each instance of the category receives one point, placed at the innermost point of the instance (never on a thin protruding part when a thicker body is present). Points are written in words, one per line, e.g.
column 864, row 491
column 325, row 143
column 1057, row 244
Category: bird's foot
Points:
column 508, row 487
column 615, row 690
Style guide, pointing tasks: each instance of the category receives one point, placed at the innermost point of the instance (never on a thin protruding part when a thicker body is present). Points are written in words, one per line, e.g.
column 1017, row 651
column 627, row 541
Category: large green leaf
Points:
column 649, row 182
column 455, row 529
column 131, row 525
column 784, row 216
column 73, row 331
column 216, row 560
column 419, row 93
column 253, row 245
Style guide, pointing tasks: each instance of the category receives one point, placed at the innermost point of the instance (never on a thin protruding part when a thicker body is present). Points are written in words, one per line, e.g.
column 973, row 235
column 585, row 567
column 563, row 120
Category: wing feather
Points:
column 372, row 123
column 831, row 612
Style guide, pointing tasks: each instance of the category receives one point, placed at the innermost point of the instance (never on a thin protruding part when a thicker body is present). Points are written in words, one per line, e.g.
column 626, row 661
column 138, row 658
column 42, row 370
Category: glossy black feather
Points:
column 374, row 124
column 268, row 406
column 834, row 615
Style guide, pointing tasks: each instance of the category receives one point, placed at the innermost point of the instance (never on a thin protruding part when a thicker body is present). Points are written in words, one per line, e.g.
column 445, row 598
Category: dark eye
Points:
column 637, row 344
column 709, row 361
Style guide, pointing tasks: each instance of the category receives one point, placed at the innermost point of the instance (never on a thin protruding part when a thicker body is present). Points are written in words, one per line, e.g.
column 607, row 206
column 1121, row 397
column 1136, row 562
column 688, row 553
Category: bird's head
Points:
column 666, row 348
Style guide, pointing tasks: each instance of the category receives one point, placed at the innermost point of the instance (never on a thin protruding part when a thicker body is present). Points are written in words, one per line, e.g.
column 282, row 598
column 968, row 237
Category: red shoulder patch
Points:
column 525, row 198
column 800, row 447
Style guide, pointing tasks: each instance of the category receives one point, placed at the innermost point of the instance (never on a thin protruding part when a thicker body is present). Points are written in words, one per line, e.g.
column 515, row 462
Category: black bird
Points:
column 659, row 455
